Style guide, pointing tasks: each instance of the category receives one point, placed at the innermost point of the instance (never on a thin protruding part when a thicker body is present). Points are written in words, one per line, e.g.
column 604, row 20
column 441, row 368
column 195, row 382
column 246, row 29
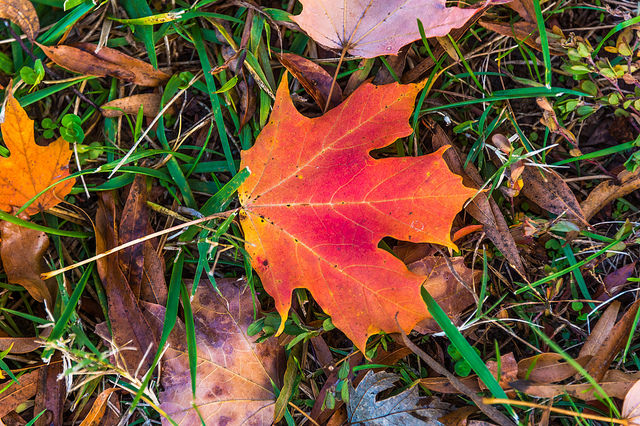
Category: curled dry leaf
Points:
column 234, row 374
column 15, row 394
column 23, row 14
column 483, row 209
column 315, row 220
column 85, row 58
column 31, row 168
column 607, row 192
column 374, row 28
column 315, row 80
column 150, row 103
column 22, row 250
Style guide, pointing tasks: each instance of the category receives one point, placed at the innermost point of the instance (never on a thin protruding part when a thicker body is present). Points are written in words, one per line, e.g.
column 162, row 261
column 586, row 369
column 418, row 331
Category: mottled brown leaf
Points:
column 150, row 103
column 233, row 373
column 315, row 80
column 607, row 192
column 22, row 250
column 84, row 59
column 548, row 368
column 51, row 393
column 15, row 394
column 23, row 14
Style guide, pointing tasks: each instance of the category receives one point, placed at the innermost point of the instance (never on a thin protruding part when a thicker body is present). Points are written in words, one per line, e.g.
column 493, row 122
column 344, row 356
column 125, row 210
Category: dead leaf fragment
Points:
column 31, row 168
column 150, row 103
column 607, row 192
column 98, row 408
column 23, row 14
column 234, row 374
column 15, row 394
column 315, row 80
column 22, row 252
column 51, row 393
column 85, row 58
column 508, row 369
column 376, row 28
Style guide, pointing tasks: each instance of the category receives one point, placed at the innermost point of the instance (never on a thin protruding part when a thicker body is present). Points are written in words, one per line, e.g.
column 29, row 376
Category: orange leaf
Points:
column 317, row 204
column 31, row 168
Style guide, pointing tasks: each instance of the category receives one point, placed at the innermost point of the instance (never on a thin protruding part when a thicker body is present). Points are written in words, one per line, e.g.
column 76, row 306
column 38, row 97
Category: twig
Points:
column 490, row 411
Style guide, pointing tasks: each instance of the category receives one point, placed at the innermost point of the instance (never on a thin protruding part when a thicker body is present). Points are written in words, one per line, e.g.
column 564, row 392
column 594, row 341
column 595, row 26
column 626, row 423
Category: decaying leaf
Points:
column 98, row 408
column 548, row 367
column 483, row 209
column 370, row 28
column 150, row 103
column 128, row 326
column 85, row 58
column 315, row 80
column 234, row 374
column 526, row 32
column 452, row 296
column 631, row 405
column 367, row 408
column 314, row 219
column 22, row 345
column 616, row 281
column 23, row 14
column 51, row 393
column 508, row 369
column 22, row 250
column 31, row 168
column 15, row 394
column 607, row 192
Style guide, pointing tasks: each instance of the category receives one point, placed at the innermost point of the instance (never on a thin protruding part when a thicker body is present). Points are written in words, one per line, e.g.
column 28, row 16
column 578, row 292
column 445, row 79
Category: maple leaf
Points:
column 31, row 168
column 371, row 28
column 317, row 204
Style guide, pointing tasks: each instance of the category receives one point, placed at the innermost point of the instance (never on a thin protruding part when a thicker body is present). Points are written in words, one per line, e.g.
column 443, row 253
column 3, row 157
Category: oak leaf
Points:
column 31, row 168
column 316, row 205
column 235, row 376
column 371, row 28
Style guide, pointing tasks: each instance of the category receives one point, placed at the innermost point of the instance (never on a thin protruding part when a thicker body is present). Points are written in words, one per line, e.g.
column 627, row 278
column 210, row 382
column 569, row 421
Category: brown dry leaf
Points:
column 98, row 408
column 15, row 394
column 508, row 370
column 615, row 281
column 234, row 374
column 607, row 192
column 23, row 14
column 22, row 253
column 22, row 345
column 483, row 209
column 452, row 296
column 547, row 189
column 128, row 325
column 150, row 103
column 84, row 59
column 31, row 168
column 613, row 342
column 600, row 330
column 615, row 383
column 524, row 8
column 526, row 32
column 443, row 385
column 375, row 28
column 51, row 393
column 315, row 80
column 548, row 368
column 631, row 405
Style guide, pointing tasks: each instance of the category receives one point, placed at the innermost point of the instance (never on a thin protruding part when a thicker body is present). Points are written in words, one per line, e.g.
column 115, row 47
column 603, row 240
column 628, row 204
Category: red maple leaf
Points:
column 316, row 205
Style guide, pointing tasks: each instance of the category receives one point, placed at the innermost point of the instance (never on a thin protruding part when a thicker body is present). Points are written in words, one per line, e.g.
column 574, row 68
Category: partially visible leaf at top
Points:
column 371, row 28
column 23, row 14
column 317, row 204
column 31, row 168
column 366, row 407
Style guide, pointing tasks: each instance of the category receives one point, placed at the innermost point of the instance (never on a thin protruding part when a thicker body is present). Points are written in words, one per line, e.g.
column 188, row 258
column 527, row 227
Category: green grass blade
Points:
column 544, row 42
column 24, row 223
column 192, row 349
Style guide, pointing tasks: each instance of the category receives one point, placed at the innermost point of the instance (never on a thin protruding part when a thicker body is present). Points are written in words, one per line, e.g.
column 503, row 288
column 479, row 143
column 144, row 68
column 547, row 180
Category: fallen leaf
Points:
column 368, row 408
column 631, row 405
column 23, row 14
column 51, row 393
column 548, row 368
column 85, row 58
column 234, row 374
column 443, row 385
column 615, row 383
column 150, row 103
column 314, row 220
column 450, row 294
column 22, row 345
column 601, row 330
column 22, row 252
column 31, row 168
column 15, row 394
column 98, row 408
column 508, row 369
column 315, row 80
column 615, row 281
column 376, row 28
column 524, row 8
column 483, row 209
column 607, row 192
column 128, row 326
column 526, row 32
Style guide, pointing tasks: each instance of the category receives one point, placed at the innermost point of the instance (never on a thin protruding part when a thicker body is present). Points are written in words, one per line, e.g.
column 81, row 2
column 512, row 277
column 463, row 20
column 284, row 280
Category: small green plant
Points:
column 461, row 366
column 71, row 129
column 32, row 76
column 49, row 127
